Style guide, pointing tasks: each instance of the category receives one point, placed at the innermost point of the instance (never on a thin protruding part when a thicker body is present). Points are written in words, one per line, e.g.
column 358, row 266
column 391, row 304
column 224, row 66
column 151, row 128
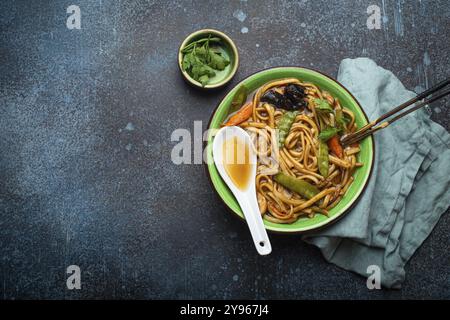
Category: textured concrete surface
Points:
column 85, row 123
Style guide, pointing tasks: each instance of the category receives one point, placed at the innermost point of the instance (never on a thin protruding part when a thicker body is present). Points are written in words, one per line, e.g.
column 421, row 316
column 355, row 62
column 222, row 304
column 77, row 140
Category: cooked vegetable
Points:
column 299, row 186
column 200, row 61
column 239, row 99
column 328, row 133
column 277, row 99
column 295, row 93
column 340, row 121
column 243, row 114
column 284, row 125
column 322, row 105
column 335, row 146
column 311, row 173
column 322, row 159
column 291, row 99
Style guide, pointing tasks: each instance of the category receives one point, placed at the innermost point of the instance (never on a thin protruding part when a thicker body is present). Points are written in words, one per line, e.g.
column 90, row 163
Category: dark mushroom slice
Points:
column 295, row 92
column 272, row 97
column 277, row 99
column 302, row 104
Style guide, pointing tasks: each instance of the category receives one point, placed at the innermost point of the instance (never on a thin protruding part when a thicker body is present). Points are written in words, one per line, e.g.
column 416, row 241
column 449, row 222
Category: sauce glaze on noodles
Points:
column 299, row 156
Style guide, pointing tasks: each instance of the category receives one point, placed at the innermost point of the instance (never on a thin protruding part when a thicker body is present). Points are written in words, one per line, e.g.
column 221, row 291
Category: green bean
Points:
column 284, row 125
column 299, row 186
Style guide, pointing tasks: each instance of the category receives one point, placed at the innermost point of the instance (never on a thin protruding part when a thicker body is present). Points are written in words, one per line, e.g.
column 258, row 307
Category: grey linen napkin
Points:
column 410, row 185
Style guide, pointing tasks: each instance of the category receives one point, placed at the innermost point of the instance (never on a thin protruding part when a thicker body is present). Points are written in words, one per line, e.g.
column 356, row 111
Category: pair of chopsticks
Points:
column 372, row 127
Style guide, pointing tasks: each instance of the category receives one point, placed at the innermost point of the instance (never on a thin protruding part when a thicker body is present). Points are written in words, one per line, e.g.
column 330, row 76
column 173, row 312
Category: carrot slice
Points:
column 243, row 114
column 335, row 146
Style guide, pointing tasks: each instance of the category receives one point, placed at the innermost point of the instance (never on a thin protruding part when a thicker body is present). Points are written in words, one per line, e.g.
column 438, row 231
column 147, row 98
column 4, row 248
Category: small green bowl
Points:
column 366, row 155
column 229, row 50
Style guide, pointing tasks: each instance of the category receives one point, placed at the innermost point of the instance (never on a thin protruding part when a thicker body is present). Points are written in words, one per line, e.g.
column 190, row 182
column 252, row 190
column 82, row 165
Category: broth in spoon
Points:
column 237, row 164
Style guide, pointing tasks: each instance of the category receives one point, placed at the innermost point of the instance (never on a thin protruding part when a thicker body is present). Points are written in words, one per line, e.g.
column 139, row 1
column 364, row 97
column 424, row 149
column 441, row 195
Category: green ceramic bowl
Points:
column 228, row 50
column 366, row 155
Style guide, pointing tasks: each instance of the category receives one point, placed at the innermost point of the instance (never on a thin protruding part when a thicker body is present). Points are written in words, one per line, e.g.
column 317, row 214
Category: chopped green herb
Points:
column 191, row 45
column 216, row 61
column 201, row 61
column 203, row 79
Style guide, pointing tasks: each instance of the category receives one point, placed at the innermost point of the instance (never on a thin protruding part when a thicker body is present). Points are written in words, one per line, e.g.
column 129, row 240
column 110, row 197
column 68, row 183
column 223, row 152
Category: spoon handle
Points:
column 249, row 206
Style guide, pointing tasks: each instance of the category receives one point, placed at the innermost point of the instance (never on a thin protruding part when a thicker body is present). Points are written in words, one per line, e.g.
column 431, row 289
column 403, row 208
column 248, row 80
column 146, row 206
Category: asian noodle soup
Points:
column 303, row 170
column 237, row 164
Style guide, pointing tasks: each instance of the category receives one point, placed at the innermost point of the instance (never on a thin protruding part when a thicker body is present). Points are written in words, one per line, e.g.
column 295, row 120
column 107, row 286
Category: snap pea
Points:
column 322, row 159
column 328, row 133
column 284, row 125
column 340, row 123
column 322, row 105
column 299, row 186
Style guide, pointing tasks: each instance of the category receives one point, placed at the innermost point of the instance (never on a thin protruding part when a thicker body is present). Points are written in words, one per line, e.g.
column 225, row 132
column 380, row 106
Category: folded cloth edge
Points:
column 330, row 245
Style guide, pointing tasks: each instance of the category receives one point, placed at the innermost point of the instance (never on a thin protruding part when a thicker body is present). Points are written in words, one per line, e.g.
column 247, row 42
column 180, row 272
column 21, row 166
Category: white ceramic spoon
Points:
column 246, row 197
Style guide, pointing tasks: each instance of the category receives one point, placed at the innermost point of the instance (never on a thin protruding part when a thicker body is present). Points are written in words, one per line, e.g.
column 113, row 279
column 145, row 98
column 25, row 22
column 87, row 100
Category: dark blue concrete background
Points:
column 85, row 123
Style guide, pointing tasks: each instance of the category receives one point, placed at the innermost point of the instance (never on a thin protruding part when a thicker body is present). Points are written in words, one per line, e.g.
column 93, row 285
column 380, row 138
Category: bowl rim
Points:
column 227, row 39
column 327, row 222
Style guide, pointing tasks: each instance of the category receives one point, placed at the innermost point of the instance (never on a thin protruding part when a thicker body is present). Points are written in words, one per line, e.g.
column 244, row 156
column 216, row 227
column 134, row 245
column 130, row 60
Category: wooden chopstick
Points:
column 370, row 128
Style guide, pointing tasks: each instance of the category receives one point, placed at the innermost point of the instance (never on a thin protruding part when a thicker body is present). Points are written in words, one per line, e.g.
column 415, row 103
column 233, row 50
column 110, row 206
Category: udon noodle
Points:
column 299, row 156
